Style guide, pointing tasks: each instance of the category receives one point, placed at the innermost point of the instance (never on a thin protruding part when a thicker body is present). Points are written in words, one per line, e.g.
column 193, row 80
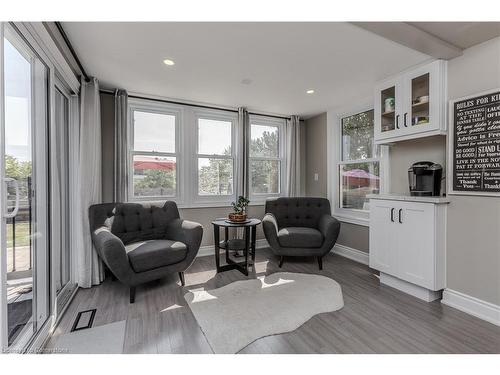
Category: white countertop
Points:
column 403, row 197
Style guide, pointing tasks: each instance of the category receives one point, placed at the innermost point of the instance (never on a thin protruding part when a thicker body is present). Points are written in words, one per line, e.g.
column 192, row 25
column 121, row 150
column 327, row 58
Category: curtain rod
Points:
column 109, row 92
column 73, row 52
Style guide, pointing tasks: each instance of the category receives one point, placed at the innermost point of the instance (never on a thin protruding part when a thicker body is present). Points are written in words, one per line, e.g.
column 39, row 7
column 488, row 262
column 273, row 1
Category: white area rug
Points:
column 237, row 314
column 106, row 339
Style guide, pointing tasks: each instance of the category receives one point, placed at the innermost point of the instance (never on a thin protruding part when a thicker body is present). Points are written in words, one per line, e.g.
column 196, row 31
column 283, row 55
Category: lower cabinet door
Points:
column 415, row 247
column 382, row 236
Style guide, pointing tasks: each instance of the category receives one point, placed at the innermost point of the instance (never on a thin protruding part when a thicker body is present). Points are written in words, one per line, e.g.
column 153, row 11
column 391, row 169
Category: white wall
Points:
column 473, row 238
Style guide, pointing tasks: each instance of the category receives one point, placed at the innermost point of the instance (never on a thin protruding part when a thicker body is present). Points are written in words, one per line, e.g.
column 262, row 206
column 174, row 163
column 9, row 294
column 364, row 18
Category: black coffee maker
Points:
column 425, row 179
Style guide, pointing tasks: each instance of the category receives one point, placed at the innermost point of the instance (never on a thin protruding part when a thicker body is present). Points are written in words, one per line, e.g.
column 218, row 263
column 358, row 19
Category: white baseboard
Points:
column 344, row 251
column 210, row 249
column 472, row 305
column 353, row 254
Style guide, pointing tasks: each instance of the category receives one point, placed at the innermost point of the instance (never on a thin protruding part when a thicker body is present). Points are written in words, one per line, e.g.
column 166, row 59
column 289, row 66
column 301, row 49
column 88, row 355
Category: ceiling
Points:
column 340, row 61
column 461, row 34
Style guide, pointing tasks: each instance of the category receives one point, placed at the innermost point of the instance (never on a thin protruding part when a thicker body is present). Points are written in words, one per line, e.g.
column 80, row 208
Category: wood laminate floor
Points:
column 375, row 318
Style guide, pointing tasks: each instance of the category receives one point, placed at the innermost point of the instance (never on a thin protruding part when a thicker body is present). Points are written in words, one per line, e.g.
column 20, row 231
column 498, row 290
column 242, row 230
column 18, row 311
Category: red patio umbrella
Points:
column 360, row 178
column 152, row 162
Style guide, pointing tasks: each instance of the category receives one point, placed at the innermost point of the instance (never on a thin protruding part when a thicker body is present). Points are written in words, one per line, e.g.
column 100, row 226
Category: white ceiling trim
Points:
column 413, row 37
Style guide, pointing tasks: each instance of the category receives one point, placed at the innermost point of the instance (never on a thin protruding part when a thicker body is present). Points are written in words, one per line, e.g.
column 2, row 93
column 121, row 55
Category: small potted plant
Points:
column 239, row 210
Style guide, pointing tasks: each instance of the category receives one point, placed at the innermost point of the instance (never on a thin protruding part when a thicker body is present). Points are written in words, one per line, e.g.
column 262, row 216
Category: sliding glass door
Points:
column 24, row 224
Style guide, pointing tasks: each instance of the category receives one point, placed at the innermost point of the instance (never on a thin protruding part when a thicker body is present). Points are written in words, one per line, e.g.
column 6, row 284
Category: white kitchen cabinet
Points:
column 411, row 104
column 382, row 249
column 407, row 243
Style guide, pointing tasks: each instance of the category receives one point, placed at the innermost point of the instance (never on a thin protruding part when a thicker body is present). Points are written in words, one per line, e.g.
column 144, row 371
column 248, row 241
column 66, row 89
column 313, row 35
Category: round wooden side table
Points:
column 247, row 243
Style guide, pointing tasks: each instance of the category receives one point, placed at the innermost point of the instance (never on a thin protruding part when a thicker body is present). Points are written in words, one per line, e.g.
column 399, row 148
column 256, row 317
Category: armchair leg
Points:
column 320, row 263
column 132, row 294
column 181, row 277
column 281, row 261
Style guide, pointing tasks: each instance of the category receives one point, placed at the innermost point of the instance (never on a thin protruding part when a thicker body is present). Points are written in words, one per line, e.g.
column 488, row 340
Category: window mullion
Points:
column 214, row 156
column 262, row 158
column 153, row 153
column 360, row 161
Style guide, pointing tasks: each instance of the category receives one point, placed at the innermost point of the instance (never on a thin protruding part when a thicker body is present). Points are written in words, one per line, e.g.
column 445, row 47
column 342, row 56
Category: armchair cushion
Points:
column 148, row 255
column 303, row 237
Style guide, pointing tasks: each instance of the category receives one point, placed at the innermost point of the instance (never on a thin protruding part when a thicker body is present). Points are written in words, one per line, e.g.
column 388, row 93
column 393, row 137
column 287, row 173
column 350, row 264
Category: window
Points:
column 358, row 167
column 182, row 153
column 215, row 156
column 266, row 159
column 190, row 154
column 154, row 154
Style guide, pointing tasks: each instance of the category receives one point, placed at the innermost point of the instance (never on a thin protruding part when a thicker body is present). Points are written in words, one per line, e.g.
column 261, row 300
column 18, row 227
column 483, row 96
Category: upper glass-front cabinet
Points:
column 411, row 104
column 420, row 96
column 388, row 109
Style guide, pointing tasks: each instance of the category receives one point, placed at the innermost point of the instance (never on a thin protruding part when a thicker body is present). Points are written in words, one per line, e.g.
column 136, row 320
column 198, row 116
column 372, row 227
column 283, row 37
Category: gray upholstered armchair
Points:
column 300, row 227
column 143, row 242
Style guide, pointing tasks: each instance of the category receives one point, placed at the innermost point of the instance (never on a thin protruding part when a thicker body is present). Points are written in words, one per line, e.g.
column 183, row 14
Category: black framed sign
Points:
column 474, row 145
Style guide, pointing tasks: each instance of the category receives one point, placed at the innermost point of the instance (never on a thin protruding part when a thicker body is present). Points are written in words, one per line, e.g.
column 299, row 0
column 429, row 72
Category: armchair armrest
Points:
column 187, row 232
column 112, row 251
column 270, row 227
column 330, row 229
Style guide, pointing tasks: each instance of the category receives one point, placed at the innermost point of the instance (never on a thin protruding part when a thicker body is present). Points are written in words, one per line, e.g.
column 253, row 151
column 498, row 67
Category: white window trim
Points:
column 260, row 199
column 212, row 114
column 334, row 136
column 185, row 152
column 166, row 109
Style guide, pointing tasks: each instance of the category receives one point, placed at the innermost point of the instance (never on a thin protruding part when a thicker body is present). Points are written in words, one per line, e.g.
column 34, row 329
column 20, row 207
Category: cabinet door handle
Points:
column 399, row 214
column 404, row 119
column 392, row 214
column 397, row 121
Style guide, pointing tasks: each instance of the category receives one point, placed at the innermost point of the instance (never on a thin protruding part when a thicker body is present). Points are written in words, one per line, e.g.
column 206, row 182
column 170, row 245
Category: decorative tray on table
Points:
column 238, row 222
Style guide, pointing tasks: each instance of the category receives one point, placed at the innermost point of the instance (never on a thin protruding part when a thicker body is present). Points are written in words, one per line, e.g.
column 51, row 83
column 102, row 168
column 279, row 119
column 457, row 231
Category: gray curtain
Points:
column 243, row 167
column 293, row 157
column 90, row 269
column 120, row 178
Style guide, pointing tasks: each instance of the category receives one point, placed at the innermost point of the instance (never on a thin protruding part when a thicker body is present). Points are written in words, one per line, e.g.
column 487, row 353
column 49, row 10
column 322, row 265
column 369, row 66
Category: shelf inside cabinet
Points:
column 420, row 106
column 390, row 113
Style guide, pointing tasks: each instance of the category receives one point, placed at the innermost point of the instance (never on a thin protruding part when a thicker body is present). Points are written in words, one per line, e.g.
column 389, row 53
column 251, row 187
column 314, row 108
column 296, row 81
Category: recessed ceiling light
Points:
column 168, row 62
column 310, row 91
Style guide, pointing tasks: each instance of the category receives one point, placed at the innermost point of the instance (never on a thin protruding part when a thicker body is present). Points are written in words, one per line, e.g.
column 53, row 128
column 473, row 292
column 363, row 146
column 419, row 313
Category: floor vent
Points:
column 84, row 320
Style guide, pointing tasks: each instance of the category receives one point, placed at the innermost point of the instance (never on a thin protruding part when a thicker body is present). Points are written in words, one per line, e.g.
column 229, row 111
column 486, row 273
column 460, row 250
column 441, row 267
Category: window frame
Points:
column 148, row 106
column 216, row 115
column 65, row 235
column 260, row 198
column 353, row 216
